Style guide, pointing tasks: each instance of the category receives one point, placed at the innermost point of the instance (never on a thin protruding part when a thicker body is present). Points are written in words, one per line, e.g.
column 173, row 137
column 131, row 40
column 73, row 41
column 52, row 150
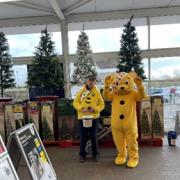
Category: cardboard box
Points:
column 10, row 124
column 33, row 113
column 145, row 119
column 2, row 125
column 47, row 119
column 157, row 116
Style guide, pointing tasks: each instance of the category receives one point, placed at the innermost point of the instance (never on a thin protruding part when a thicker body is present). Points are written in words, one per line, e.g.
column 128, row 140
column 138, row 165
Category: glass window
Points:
column 165, row 68
column 56, row 37
column 24, row 45
column 20, row 75
column 165, row 74
column 165, row 36
column 106, row 40
column 102, row 73
column 142, row 34
column 73, row 37
column 145, row 66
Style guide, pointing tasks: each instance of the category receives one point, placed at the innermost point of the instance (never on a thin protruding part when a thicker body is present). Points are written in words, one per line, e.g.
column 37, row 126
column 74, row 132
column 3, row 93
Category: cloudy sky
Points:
column 103, row 40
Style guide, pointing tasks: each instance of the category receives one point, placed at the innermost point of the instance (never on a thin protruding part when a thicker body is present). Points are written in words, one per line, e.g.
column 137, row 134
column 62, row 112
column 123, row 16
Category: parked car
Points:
column 161, row 92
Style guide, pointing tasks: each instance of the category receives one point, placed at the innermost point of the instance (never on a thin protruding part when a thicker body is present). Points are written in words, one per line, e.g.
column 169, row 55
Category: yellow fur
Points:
column 86, row 99
column 120, row 89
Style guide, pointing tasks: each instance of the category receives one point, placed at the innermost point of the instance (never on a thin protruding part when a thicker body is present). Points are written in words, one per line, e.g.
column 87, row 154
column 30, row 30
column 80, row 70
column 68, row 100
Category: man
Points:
column 89, row 103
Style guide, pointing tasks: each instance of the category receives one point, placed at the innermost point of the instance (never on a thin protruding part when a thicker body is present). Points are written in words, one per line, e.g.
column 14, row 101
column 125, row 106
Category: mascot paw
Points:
column 132, row 163
column 138, row 82
column 120, row 160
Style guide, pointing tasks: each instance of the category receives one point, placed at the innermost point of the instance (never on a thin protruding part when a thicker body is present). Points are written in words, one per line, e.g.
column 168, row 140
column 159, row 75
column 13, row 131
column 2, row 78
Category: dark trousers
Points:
column 85, row 134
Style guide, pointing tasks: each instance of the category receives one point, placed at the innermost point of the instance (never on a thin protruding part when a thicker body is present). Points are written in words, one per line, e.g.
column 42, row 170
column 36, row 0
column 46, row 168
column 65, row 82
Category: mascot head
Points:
column 123, row 83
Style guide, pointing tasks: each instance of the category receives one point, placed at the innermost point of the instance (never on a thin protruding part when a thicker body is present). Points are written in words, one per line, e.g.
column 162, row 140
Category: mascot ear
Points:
column 110, row 78
column 133, row 75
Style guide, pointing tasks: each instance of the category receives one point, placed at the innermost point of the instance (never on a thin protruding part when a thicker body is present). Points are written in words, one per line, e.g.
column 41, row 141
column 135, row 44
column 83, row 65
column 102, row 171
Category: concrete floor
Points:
column 156, row 163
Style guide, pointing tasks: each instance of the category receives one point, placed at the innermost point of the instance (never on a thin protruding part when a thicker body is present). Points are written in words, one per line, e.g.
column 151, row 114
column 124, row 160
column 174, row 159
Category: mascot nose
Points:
column 122, row 88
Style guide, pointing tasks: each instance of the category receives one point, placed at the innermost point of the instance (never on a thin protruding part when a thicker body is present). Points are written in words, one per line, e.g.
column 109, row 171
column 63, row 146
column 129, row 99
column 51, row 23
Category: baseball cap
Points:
column 92, row 77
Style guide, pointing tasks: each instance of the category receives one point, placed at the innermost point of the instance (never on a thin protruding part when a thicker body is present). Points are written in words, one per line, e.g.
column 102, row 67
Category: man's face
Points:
column 90, row 83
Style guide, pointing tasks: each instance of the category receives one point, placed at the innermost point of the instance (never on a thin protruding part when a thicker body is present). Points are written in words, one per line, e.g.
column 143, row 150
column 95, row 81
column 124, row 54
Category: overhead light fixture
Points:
column 4, row 1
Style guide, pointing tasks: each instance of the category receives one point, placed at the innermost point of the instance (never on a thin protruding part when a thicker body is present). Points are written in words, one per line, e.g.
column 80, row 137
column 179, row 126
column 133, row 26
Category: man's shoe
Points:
column 81, row 159
column 95, row 159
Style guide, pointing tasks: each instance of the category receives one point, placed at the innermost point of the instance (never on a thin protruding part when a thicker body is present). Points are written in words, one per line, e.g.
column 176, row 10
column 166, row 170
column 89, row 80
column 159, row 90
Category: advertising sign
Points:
column 7, row 171
column 34, row 153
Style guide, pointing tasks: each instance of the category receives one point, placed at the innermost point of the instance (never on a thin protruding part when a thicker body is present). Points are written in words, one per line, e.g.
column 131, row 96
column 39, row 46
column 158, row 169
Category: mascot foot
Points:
column 120, row 160
column 132, row 163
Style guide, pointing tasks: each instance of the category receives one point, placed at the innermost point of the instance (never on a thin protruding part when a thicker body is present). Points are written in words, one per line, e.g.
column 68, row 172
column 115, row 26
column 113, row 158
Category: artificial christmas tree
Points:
column 46, row 71
column 46, row 75
column 130, row 53
column 84, row 65
column 6, row 72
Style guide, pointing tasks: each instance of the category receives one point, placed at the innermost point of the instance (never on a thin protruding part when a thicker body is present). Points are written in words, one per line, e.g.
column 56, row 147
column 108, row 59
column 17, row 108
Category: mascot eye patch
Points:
column 126, row 82
column 122, row 102
column 121, row 116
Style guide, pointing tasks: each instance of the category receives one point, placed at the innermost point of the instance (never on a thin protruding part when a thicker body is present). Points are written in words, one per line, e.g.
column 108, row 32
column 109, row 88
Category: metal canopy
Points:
column 29, row 13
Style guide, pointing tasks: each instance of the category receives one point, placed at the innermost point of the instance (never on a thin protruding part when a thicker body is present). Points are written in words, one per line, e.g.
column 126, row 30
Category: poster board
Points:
column 7, row 171
column 34, row 153
column 3, row 150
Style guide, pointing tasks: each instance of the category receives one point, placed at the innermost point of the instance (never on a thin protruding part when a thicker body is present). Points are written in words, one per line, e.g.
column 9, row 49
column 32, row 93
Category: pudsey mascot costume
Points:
column 124, row 90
